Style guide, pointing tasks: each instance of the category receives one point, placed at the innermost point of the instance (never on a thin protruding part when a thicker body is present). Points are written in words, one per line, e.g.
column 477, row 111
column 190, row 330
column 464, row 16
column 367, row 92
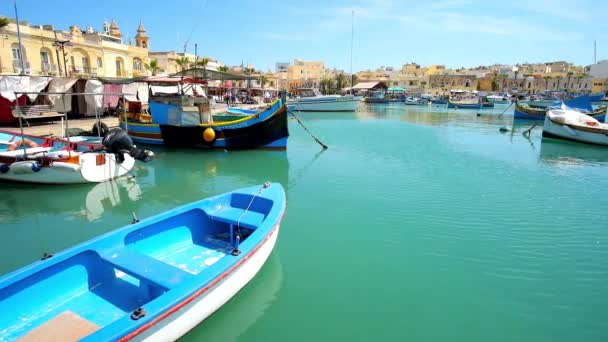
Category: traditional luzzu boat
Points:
column 464, row 104
column 568, row 124
column 153, row 280
column 582, row 103
column 33, row 159
column 311, row 100
column 182, row 121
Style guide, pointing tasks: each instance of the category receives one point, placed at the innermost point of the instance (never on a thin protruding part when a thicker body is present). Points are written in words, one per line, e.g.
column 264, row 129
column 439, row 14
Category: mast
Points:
column 19, row 38
column 352, row 38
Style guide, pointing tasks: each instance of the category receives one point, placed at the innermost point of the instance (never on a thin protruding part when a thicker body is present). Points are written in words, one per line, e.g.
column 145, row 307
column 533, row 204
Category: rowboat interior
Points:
column 95, row 287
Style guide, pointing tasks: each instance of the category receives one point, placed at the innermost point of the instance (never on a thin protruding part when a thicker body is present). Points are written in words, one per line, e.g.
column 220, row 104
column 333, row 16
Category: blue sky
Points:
column 387, row 32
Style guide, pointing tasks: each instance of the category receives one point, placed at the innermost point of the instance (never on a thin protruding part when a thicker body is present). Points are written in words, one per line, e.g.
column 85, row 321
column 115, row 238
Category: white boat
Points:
column 32, row 159
column 311, row 100
column 567, row 124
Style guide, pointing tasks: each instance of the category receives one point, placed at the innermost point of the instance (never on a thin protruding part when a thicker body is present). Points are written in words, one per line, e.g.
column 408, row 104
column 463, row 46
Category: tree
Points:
column 4, row 22
column 203, row 64
column 559, row 78
column 326, row 85
column 570, row 73
column 547, row 78
column 152, row 66
column 183, row 62
column 263, row 80
column 353, row 80
column 223, row 68
column 341, row 81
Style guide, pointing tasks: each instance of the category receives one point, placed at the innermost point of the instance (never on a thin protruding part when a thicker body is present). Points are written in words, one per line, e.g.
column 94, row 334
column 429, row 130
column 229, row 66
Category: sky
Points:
column 456, row 33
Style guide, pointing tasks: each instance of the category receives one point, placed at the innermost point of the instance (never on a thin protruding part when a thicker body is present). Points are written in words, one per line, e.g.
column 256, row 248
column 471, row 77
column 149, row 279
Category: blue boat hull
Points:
column 129, row 282
column 265, row 130
column 463, row 106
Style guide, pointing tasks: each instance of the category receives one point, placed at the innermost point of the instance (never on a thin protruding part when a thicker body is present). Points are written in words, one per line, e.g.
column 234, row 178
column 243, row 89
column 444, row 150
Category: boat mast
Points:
column 352, row 35
column 19, row 39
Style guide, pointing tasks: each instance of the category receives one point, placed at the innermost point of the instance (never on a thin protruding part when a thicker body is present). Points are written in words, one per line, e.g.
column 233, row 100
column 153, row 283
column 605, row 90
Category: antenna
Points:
column 595, row 52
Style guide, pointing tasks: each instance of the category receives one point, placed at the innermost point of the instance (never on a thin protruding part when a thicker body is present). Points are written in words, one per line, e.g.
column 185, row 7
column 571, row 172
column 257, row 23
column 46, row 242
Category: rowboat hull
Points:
column 324, row 104
column 191, row 314
column 532, row 113
column 587, row 135
column 152, row 280
column 458, row 105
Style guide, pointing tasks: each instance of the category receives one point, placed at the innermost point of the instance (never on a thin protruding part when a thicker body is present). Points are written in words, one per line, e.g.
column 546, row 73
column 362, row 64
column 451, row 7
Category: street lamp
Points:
column 61, row 44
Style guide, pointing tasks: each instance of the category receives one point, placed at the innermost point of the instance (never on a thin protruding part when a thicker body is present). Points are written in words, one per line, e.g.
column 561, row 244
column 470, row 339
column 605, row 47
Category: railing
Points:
column 84, row 70
column 48, row 68
column 17, row 67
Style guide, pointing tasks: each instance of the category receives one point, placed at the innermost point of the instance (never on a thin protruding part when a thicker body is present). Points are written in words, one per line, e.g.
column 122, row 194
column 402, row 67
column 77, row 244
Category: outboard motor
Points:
column 118, row 142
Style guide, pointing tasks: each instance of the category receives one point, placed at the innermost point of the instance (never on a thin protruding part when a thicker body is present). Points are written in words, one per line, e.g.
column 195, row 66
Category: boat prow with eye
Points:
column 153, row 280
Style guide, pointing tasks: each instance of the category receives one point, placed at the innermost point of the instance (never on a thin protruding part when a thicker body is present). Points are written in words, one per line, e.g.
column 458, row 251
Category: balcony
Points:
column 84, row 71
column 49, row 69
column 17, row 67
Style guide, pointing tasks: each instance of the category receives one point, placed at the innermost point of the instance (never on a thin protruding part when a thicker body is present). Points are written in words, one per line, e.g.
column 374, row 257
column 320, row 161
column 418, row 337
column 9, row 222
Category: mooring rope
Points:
column 238, row 222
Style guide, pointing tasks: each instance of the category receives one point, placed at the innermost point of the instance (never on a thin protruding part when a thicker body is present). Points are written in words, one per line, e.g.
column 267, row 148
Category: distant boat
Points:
column 567, row 124
column 527, row 111
column 464, row 104
column 311, row 100
column 376, row 97
column 155, row 279
column 416, row 101
column 498, row 99
column 34, row 159
column 173, row 123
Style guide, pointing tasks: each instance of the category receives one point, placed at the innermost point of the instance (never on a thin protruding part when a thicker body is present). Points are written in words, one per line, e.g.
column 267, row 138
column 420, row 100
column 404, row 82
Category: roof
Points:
column 213, row 75
column 369, row 85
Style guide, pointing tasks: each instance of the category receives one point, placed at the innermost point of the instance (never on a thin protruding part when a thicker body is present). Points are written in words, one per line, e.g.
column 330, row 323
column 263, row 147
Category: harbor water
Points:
column 416, row 224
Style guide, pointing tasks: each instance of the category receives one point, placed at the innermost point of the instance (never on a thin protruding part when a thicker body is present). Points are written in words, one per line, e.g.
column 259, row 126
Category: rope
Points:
column 306, row 129
column 238, row 222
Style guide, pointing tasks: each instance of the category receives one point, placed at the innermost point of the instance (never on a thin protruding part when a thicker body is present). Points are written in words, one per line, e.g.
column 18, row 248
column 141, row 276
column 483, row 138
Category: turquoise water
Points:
column 416, row 224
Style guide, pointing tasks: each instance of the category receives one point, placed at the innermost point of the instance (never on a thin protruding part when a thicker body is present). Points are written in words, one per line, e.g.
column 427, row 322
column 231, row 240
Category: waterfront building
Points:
column 305, row 74
column 168, row 62
column 448, row 82
column 281, row 67
column 436, row 69
column 87, row 52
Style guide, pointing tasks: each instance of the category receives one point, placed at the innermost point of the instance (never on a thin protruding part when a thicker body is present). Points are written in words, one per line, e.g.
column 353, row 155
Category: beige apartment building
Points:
column 76, row 53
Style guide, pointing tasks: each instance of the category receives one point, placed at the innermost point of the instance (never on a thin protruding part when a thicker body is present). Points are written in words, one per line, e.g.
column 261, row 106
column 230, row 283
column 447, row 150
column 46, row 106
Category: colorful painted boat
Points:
column 571, row 125
column 463, row 105
column 524, row 111
column 179, row 126
column 33, row 159
column 152, row 280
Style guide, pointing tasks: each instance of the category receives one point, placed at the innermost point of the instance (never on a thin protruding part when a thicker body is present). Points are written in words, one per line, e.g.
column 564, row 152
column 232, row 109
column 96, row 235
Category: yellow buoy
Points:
column 209, row 134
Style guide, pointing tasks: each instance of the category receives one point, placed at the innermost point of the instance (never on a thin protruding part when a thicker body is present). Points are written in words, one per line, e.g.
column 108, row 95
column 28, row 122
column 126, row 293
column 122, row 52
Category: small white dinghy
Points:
column 567, row 124
column 32, row 159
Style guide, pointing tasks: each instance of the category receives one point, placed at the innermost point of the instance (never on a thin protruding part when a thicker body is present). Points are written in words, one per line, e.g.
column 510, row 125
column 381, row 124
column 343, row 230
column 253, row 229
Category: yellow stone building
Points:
column 305, row 74
column 87, row 53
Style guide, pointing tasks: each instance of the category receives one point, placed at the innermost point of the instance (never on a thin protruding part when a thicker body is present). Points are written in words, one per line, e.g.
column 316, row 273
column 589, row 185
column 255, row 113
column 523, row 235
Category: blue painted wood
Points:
column 155, row 263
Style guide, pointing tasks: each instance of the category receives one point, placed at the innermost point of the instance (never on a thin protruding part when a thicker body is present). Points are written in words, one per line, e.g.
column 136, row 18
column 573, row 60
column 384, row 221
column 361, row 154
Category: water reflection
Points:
column 81, row 201
column 245, row 309
column 572, row 154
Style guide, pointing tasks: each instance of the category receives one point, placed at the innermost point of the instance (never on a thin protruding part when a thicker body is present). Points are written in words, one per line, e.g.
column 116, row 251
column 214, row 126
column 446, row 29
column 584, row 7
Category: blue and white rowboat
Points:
column 152, row 280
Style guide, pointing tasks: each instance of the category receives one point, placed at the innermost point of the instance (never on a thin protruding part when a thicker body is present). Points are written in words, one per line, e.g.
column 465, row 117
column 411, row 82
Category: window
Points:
column 85, row 64
column 136, row 64
column 16, row 54
column 118, row 68
column 45, row 61
column 99, row 62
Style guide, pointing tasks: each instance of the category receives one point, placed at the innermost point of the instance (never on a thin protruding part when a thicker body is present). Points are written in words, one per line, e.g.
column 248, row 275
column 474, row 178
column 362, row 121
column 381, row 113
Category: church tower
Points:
column 141, row 38
column 114, row 30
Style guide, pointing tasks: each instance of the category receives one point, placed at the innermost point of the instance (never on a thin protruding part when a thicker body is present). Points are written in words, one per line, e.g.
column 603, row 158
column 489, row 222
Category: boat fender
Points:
column 25, row 167
column 591, row 123
column 28, row 143
column 236, row 250
column 209, row 135
column 138, row 313
column 4, row 168
column 67, row 166
column 504, row 129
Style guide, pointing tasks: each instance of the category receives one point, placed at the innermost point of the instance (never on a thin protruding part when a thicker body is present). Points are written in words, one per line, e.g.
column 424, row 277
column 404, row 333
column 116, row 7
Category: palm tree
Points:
column 326, row 85
column 248, row 71
column 223, row 68
column 203, row 64
column 570, row 73
column 3, row 22
column 152, row 66
column 353, row 79
column 547, row 78
column 263, row 80
column 559, row 78
column 183, row 62
column 340, row 81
